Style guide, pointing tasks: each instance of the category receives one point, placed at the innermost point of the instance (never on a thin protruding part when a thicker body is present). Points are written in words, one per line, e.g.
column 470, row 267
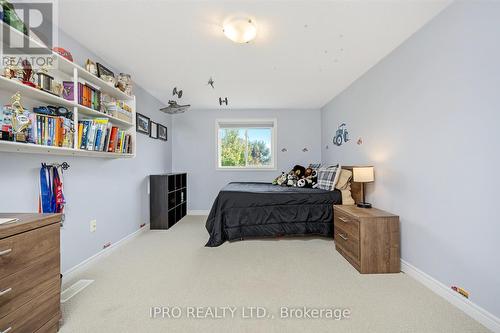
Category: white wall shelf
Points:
column 78, row 74
column 18, row 147
column 32, row 93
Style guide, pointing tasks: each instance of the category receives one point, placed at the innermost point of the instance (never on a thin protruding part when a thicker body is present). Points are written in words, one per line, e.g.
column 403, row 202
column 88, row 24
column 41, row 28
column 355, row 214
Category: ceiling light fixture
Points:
column 240, row 30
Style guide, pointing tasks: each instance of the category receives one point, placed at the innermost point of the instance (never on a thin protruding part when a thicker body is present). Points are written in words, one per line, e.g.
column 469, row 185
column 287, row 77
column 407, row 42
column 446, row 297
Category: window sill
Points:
column 246, row 169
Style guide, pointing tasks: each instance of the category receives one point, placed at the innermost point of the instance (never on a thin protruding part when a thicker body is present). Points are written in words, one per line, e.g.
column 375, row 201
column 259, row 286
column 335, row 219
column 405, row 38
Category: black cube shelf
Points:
column 167, row 200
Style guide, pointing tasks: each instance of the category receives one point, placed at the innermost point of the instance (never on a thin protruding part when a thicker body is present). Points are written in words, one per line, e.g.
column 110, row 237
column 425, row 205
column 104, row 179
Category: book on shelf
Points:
column 89, row 96
column 99, row 134
column 50, row 131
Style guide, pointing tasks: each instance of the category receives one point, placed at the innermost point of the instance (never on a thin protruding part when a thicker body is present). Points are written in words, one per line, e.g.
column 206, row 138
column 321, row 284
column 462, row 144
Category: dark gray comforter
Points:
column 247, row 210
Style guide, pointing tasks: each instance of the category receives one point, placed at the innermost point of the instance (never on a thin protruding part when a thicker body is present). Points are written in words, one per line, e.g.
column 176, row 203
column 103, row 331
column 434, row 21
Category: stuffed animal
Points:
column 308, row 172
column 292, row 179
column 281, row 179
column 299, row 171
column 313, row 178
column 302, row 182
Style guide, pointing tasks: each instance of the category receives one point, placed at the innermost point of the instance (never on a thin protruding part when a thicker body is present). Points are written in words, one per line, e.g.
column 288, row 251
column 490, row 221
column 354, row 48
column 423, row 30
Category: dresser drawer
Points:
column 19, row 251
column 34, row 314
column 21, row 287
column 347, row 223
column 349, row 244
column 52, row 326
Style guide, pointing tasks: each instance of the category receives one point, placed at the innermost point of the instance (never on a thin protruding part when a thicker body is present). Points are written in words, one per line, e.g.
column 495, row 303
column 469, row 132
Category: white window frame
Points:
column 251, row 122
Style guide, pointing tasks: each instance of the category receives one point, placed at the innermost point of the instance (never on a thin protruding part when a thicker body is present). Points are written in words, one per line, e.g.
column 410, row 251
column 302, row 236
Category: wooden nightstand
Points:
column 368, row 238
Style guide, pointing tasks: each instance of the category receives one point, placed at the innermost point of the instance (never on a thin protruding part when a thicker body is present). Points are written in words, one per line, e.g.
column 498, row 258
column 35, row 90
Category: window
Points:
column 246, row 144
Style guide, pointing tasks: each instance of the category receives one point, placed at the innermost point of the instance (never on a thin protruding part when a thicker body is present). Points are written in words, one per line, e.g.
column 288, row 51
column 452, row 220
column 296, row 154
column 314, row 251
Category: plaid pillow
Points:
column 328, row 177
column 315, row 166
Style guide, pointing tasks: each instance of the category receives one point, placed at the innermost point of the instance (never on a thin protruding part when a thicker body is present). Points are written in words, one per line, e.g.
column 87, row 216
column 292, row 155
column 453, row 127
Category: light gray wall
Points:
column 114, row 192
column 194, row 149
column 429, row 116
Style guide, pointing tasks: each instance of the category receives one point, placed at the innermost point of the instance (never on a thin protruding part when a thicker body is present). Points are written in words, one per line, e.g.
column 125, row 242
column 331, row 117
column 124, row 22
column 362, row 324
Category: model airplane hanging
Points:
column 211, row 82
column 174, row 108
column 223, row 101
column 177, row 92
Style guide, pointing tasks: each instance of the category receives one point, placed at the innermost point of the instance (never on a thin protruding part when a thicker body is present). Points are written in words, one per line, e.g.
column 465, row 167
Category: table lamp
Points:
column 363, row 175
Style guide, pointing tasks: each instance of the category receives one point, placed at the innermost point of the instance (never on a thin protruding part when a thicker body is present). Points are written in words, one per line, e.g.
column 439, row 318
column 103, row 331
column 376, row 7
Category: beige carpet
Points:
column 173, row 269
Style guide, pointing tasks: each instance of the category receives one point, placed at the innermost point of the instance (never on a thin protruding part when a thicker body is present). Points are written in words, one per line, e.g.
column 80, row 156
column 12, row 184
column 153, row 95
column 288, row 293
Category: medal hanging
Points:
column 51, row 198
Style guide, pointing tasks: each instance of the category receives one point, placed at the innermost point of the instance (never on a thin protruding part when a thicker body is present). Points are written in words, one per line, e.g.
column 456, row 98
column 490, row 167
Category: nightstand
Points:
column 368, row 238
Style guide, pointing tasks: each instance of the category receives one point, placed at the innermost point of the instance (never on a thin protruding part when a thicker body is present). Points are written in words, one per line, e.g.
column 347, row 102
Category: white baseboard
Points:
column 68, row 274
column 473, row 310
column 198, row 212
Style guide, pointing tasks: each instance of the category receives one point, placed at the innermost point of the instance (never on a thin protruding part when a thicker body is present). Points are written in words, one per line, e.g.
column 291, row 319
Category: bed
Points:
column 251, row 210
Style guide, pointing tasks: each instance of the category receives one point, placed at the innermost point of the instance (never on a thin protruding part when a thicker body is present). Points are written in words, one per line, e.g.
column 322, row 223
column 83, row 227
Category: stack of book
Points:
column 119, row 110
column 89, row 96
column 50, row 131
column 99, row 134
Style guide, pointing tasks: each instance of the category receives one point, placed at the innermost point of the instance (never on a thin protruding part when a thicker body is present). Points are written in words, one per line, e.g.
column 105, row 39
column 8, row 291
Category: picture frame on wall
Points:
column 154, row 130
column 142, row 124
column 162, row 132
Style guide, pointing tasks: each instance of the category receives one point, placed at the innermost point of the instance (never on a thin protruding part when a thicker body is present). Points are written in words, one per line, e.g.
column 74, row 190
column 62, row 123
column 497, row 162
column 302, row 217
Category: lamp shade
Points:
column 363, row 174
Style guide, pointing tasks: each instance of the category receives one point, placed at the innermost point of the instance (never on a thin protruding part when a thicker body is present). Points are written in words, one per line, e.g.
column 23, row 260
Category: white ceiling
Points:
column 305, row 53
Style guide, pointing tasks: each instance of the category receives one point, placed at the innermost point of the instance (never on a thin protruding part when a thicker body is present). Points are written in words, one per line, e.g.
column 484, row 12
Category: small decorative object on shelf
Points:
column 45, row 81
column 14, row 72
column 162, row 132
column 57, row 88
column 10, row 71
column 68, row 92
column 106, row 74
column 91, row 67
column 143, row 124
column 125, row 83
column 63, row 53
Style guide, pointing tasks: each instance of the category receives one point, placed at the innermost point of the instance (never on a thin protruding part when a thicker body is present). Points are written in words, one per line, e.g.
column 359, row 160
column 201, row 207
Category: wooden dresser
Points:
column 30, row 274
column 368, row 238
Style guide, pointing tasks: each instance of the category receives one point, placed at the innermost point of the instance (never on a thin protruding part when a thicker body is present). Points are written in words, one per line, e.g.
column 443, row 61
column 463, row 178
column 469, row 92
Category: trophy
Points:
column 27, row 73
column 20, row 122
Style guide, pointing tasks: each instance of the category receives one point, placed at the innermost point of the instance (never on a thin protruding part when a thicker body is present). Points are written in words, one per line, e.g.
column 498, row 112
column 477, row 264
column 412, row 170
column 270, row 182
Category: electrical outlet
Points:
column 93, row 225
